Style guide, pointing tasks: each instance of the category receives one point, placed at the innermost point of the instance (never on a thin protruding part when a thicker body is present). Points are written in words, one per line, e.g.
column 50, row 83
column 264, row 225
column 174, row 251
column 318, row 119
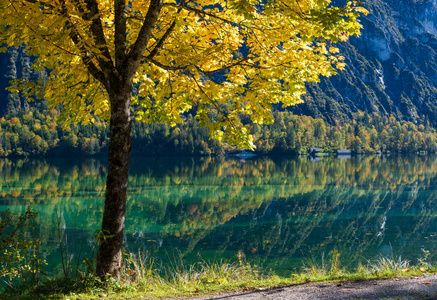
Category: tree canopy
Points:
column 235, row 57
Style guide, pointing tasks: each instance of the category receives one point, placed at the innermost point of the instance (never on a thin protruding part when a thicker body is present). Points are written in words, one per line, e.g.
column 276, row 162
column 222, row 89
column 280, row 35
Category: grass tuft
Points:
column 385, row 265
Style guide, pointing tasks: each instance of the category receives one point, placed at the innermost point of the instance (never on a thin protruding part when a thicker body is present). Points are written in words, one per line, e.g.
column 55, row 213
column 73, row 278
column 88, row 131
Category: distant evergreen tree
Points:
column 13, row 103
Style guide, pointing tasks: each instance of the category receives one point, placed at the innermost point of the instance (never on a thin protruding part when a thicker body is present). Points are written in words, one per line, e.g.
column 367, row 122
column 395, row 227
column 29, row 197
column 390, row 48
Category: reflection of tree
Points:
column 275, row 208
column 308, row 225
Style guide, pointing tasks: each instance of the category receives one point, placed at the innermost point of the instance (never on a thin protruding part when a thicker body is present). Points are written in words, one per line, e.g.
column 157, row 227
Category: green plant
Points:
column 423, row 260
column 324, row 270
column 386, row 265
column 20, row 259
column 335, row 262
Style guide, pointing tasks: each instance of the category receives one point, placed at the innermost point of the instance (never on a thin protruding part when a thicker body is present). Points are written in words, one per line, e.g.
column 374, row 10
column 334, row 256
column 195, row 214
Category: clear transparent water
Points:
column 279, row 212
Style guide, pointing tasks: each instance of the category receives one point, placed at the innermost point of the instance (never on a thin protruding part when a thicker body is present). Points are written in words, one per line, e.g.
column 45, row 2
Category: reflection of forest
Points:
column 279, row 210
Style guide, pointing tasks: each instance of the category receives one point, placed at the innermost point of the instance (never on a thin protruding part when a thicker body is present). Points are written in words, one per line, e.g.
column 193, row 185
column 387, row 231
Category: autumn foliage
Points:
column 246, row 55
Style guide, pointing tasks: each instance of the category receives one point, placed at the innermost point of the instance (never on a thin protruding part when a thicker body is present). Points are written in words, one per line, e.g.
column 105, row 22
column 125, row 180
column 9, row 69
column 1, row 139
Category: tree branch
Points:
column 136, row 53
column 120, row 33
column 162, row 40
column 93, row 16
column 78, row 40
column 163, row 66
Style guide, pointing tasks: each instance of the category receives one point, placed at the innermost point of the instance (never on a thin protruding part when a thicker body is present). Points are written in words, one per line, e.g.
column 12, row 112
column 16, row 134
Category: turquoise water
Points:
column 279, row 212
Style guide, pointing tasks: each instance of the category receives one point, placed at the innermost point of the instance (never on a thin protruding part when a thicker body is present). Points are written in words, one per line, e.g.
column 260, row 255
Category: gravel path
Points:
column 423, row 287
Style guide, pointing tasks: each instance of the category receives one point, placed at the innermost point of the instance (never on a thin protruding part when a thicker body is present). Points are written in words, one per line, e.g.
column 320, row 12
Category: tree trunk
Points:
column 109, row 255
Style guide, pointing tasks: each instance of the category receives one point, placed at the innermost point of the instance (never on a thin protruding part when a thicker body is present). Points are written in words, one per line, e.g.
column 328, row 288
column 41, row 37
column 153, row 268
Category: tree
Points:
column 157, row 59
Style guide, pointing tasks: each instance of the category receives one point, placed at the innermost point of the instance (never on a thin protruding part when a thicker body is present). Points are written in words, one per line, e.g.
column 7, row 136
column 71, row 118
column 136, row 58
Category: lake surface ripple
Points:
column 278, row 212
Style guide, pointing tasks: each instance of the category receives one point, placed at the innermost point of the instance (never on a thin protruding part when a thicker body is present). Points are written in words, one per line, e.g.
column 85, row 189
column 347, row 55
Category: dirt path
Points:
column 423, row 287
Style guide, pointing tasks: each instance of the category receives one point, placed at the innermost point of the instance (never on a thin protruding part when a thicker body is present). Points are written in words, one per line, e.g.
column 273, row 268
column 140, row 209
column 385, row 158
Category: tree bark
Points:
column 109, row 255
column 118, row 82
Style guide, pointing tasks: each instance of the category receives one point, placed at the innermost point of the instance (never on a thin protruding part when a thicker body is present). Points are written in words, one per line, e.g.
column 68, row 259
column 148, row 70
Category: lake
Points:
column 279, row 212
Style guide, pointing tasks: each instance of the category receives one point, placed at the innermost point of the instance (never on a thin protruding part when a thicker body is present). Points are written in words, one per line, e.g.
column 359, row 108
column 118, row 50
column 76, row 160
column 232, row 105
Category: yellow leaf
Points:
column 362, row 10
column 344, row 37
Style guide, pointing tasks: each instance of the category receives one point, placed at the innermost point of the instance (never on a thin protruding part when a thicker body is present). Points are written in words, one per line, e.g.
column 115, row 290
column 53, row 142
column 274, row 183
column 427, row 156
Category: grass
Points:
column 140, row 279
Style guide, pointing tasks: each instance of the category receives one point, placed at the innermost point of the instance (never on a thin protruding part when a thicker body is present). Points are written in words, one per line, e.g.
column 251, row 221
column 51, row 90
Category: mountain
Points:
column 391, row 67
column 16, row 64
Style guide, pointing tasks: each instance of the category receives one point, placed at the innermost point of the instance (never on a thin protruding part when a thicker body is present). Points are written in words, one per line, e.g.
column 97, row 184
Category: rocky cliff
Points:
column 391, row 67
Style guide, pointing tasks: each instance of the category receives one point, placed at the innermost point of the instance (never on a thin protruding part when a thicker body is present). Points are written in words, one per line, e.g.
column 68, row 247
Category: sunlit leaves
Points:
column 242, row 55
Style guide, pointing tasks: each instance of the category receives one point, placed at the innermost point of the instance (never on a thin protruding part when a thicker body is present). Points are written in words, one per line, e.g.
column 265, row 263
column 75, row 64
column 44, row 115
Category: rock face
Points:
column 391, row 67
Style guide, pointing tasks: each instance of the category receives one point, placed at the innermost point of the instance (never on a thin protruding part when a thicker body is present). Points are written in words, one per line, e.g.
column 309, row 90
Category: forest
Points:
column 36, row 132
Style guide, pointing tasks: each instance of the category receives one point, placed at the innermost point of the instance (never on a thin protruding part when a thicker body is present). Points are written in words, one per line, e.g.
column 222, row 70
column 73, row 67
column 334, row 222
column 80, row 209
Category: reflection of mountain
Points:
column 273, row 209
column 287, row 231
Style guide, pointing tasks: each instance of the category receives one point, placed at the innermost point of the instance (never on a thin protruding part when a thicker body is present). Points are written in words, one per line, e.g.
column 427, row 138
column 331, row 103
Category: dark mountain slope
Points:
column 391, row 68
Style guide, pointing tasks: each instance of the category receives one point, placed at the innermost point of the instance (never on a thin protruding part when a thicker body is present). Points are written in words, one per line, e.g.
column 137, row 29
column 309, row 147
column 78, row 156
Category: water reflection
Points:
column 276, row 210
